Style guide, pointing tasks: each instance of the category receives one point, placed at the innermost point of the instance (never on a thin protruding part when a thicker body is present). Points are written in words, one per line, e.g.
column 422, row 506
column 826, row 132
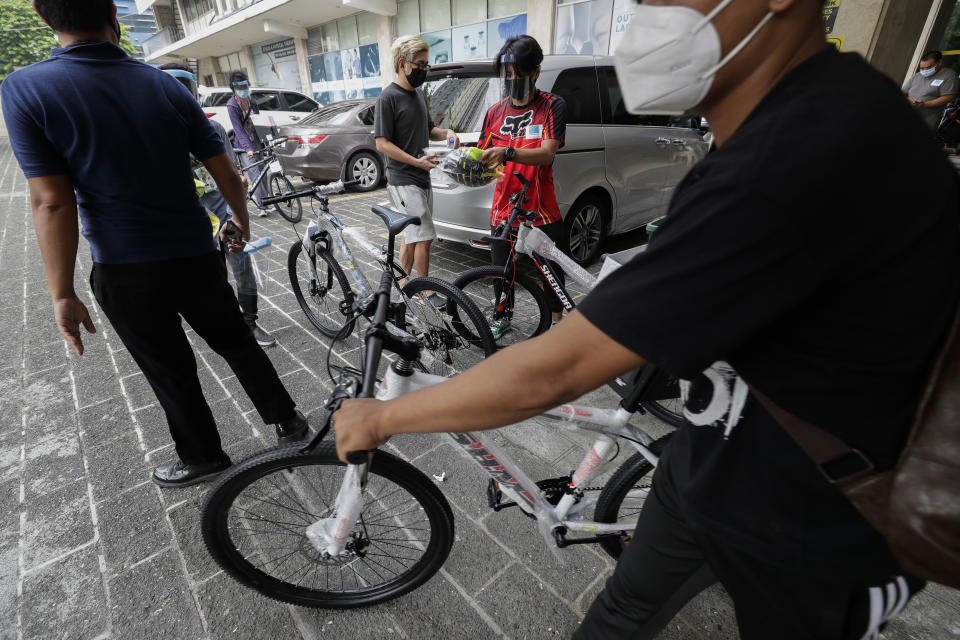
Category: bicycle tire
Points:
column 452, row 339
column 669, row 411
column 331, row 297
column 635, row 472
column 530, row 315
column 228, row 534
column 292, row 210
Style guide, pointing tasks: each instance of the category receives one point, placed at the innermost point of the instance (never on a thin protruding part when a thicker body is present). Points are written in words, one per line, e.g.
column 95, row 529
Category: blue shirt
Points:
column 123, row 132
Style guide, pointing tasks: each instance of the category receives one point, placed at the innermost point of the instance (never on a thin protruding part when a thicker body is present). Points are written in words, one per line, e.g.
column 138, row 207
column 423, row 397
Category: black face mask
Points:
column 518, row 88
column 417, row 77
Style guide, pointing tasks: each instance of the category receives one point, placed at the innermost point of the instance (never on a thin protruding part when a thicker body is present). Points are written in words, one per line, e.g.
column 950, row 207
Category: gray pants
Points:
column 263, row 189
column 240, row 263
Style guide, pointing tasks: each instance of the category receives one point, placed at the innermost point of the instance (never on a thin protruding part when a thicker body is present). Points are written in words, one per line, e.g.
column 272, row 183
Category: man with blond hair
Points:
column 403, row 129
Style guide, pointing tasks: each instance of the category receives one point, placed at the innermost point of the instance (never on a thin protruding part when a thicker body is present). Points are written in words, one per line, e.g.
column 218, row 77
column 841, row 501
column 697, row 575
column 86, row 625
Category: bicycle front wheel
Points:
column 625, row 494
column 670, row 410
column 255, row 518
column 326, row 298
column 514, row 313
column 292, row 210
column 453, row 336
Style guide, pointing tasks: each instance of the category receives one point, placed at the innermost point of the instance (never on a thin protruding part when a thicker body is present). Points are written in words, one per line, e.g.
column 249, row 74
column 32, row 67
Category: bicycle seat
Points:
column 395, row 221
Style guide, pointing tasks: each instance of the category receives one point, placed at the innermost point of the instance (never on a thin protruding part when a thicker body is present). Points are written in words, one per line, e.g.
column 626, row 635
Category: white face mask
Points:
column 669, row 56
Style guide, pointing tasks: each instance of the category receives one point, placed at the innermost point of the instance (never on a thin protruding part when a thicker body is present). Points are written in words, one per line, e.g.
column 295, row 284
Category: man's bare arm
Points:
column 230, row 183
column 54, row 206
column 519, row 382
column 391, row 150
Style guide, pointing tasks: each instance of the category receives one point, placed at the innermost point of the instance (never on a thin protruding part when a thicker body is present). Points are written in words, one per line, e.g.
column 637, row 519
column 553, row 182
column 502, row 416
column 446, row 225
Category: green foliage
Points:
column 25, row 39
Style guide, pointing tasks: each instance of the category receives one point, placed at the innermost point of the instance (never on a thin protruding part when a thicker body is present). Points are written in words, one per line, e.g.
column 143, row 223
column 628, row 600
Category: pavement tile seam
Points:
column 476, row 606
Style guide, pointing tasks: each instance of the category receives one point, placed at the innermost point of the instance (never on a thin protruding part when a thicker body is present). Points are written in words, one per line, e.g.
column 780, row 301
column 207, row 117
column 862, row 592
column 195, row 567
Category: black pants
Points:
column 554, row 231
column 669, row 561
column 145, row 301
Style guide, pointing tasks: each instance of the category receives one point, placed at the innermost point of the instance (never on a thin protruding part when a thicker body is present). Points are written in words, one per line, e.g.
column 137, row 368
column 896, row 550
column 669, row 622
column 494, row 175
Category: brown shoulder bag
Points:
column 916, row 504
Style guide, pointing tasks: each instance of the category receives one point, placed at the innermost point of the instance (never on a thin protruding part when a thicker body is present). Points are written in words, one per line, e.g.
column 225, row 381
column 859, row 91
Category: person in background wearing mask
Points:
column 526, row 128
column 932, row 88
column 403, row 128
column 214, row 202
column 80, row 142
column 242, row 109
column 784, row 317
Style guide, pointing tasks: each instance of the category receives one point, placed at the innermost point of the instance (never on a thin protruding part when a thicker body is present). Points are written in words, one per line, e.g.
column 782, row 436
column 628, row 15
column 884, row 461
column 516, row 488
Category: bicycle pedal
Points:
column 494, row 495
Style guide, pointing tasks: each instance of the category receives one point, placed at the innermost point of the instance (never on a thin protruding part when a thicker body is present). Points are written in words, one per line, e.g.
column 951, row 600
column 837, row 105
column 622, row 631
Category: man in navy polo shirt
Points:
column 79, row 123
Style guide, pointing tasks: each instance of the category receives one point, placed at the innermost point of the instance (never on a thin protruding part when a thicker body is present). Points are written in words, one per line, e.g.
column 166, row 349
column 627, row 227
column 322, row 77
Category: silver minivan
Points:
column 616, row 171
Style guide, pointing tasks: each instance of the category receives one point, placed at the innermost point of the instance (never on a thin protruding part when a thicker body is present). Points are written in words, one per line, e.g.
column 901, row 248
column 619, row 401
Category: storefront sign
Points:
column 276, row 64
column 830, row 10
column 623, row 11
column 281, row 49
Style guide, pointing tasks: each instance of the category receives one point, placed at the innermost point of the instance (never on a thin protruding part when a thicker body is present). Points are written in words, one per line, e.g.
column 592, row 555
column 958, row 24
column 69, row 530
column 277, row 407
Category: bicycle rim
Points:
column 255, row 518
column 292, row 210
column 514, row 313
column 323, row 298
column 452, row 338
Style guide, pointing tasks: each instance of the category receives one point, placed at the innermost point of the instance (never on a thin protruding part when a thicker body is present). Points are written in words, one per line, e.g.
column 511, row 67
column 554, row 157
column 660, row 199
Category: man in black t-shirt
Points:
column 785, row 270
column 403, row 128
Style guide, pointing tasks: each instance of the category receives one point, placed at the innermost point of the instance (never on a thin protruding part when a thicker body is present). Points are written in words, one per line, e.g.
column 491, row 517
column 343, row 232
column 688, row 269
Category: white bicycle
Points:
column 516, row 306
column 299, row 526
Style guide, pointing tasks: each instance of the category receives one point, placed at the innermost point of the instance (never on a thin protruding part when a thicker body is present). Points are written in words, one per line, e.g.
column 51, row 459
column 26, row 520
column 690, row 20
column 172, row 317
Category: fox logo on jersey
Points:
column 516, row 126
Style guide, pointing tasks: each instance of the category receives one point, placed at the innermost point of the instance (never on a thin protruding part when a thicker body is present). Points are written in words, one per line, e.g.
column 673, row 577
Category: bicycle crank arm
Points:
column 562, row 541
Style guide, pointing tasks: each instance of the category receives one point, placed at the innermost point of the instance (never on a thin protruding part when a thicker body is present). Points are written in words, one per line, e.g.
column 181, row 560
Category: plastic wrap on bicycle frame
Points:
column 543, row 510
column 358, row 236
column 536, row 240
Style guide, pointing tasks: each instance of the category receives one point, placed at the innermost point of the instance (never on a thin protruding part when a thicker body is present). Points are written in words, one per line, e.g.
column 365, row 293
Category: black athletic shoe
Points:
column 178, row 474
column 293, row 429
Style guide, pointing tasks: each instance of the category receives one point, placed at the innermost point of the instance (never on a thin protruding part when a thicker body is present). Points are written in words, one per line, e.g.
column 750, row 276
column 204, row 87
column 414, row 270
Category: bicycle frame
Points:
column 510, row 478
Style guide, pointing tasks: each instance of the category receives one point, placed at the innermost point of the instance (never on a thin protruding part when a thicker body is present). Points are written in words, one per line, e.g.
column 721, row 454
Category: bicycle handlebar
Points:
column 318, row 190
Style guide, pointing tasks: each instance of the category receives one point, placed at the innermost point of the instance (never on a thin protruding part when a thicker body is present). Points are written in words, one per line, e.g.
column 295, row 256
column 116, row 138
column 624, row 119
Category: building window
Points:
column 331, row 41
column 367, row 28
column 434, row 14
column 407, row 21
column 501, row 8
column 347, row 27
column 195, row 9
column 467, row 11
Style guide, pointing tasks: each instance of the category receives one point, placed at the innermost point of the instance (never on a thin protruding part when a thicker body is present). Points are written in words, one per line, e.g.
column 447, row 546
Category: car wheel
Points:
column 366, row 168
column 586, row 228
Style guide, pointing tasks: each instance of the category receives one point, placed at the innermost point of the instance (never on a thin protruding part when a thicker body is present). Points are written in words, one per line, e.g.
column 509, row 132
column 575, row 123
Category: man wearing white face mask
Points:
column 931, row 88
column 777, row 287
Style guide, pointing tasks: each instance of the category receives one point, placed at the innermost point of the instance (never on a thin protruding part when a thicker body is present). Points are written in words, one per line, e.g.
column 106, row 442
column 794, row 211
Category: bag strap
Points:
column 838, row 462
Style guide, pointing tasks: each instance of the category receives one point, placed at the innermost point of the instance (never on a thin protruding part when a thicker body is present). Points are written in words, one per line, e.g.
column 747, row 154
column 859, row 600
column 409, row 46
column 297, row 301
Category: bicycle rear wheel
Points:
column 255, row 518
column 452, row 338
column 291, row 210
column 517, row 312
column 670, row 409
column 624, row 495
column 325, row 300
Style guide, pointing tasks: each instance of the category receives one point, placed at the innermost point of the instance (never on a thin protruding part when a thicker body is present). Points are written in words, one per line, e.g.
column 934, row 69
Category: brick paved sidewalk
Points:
column 91, row 548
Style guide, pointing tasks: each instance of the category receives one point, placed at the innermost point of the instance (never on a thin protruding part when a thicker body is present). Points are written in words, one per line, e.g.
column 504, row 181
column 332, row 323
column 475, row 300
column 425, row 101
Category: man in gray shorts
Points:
column 403, row 128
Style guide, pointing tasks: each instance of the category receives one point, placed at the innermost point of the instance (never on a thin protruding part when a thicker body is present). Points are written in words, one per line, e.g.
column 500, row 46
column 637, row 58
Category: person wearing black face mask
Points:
column 526, row 128
column 403, row 128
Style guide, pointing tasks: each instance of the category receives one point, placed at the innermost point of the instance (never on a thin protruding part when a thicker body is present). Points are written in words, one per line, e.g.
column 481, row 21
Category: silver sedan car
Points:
column 616, row 171
column 334, row 143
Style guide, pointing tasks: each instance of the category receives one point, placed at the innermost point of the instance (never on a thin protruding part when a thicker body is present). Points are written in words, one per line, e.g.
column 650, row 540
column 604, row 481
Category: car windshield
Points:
column 219, row 99
column 460, row 101
column 334, row 114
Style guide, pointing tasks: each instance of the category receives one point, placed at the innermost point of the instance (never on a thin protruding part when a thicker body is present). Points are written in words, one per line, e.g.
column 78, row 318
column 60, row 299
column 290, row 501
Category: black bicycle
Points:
column 278, row 184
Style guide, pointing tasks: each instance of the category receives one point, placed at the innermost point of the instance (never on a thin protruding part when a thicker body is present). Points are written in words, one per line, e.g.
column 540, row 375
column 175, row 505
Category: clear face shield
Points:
column 187, row 79
column 516, row 84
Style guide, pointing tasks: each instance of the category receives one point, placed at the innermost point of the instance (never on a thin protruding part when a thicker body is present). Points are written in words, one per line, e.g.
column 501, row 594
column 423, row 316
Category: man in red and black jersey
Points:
column 525, row 129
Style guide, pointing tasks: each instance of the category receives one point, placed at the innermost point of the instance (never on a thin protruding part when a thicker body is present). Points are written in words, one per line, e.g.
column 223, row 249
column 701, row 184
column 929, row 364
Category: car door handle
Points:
column 662, row 142
column 294, row 118
column 679, row 142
